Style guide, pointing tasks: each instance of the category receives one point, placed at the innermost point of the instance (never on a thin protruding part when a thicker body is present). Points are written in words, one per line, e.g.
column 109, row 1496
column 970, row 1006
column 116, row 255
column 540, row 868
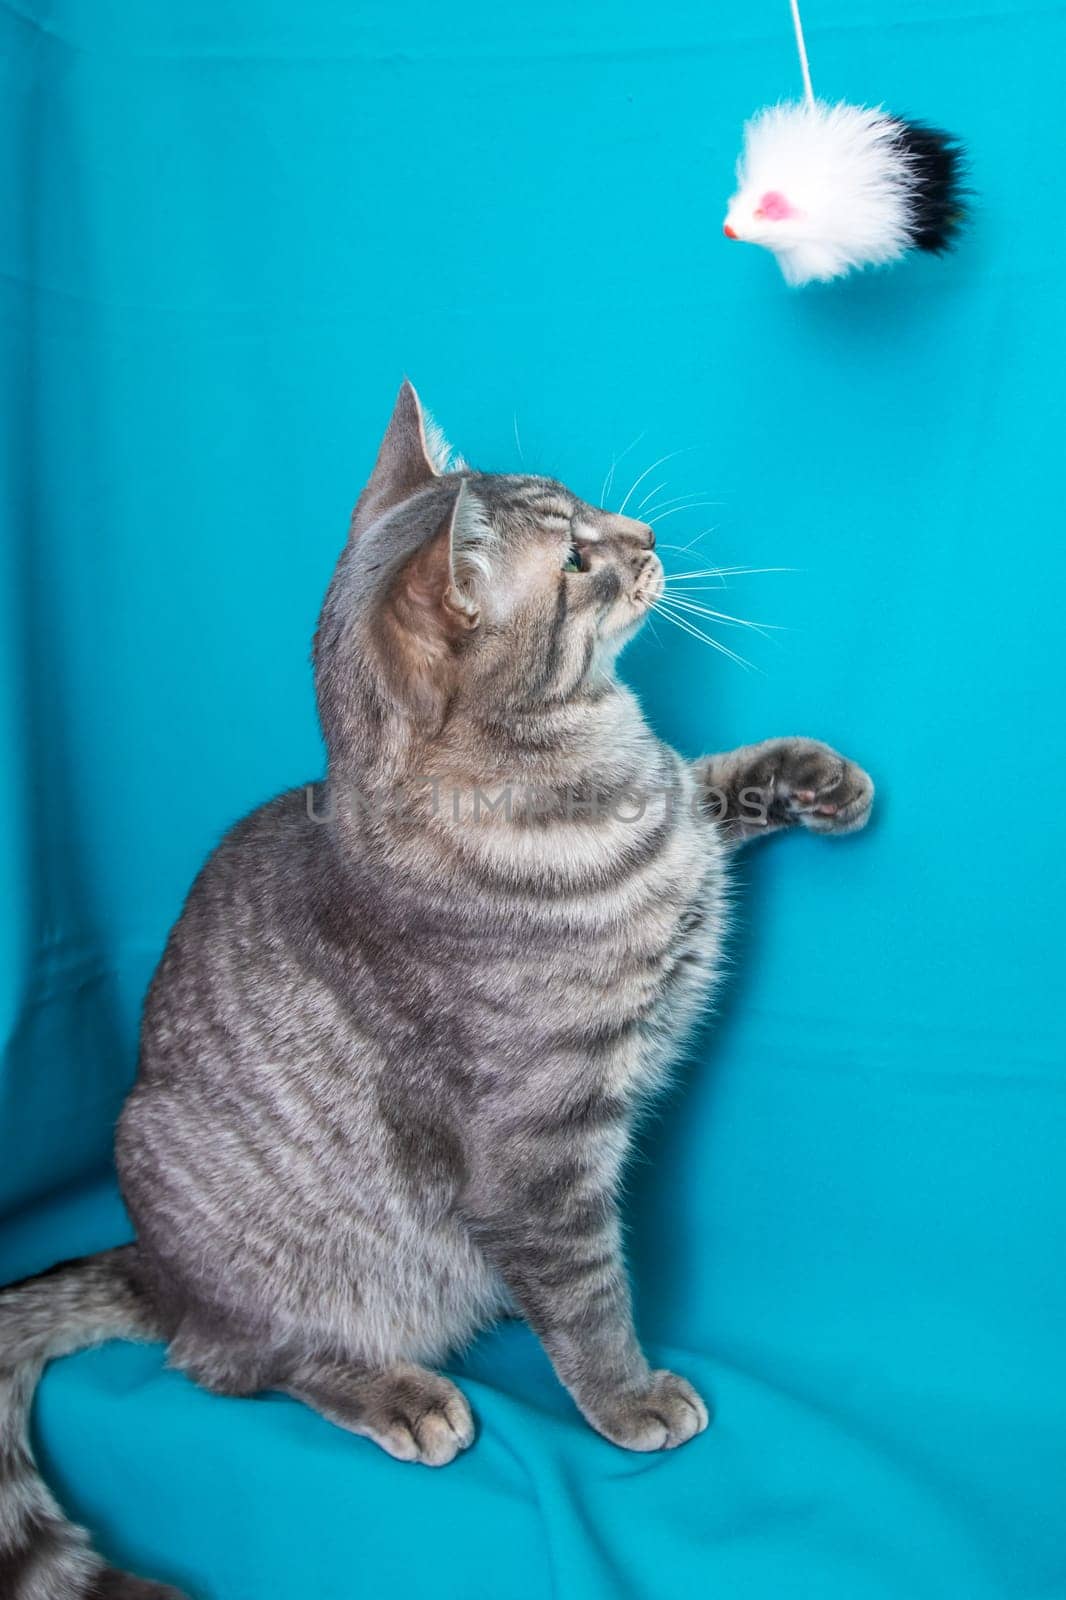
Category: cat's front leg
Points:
column 781, row 783
column 556, row 1242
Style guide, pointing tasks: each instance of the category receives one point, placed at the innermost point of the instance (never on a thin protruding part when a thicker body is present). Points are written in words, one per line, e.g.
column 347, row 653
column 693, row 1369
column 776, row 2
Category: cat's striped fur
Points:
column 393, row 1052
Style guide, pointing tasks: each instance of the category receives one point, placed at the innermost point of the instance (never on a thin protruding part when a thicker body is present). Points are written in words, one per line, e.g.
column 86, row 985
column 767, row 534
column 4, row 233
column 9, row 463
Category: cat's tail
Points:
column 77, row 1304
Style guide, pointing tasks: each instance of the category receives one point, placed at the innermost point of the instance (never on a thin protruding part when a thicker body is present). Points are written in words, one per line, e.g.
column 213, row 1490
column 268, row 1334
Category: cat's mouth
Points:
column 650, row 581
column 649, row 585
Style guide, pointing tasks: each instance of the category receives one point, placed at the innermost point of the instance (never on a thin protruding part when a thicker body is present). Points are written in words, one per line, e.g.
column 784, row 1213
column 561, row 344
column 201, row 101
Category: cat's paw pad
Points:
column 665, row 1414
column 824, row 791
column 424, row 1419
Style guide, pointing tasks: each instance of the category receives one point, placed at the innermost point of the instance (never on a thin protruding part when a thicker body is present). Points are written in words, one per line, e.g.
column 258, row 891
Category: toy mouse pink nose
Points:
column 728, row 231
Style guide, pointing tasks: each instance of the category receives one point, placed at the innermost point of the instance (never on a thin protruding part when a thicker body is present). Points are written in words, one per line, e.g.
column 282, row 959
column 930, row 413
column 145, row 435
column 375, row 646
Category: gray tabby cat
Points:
column 393, row 1052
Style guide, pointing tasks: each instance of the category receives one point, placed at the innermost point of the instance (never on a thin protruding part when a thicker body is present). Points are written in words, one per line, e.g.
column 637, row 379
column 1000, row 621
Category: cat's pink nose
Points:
column 728, row 231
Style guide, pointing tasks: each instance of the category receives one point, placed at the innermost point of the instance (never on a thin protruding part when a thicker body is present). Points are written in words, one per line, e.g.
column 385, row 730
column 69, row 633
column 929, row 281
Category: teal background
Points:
column 227, row 228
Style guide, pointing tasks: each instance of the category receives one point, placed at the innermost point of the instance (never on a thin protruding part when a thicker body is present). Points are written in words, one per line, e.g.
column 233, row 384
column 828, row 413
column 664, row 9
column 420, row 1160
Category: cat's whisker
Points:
column 695, row 588
column 655, row 633
column 680, row 548
column 609, row 479
column 518, row 441
column 702, row 572
column 765, row 628
column 641, row 503
column 706, row 639
column 670, row 455
column 656, row 515
column 687, row 626
column 667, row 508
column 743, row 571
column 711, row 615
column 693, row 494
column 716, row 572
column 701, row 535
column 697, row 633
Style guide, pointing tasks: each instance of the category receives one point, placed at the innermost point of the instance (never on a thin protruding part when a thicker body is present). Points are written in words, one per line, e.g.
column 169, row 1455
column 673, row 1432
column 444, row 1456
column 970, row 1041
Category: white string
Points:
column 802, row 48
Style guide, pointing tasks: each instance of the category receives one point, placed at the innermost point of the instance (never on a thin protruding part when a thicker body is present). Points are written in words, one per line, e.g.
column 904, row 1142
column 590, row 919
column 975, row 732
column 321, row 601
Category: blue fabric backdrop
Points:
column 227, row 227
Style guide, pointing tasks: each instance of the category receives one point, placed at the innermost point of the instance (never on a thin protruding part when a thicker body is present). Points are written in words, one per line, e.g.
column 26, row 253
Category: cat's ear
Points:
column 404, row 464
column 435, row 588
column 433, row 604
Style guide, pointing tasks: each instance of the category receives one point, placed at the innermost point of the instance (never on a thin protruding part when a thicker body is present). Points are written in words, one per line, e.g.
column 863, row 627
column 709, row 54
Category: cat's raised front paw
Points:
column 815, row 786
column 665, row 1414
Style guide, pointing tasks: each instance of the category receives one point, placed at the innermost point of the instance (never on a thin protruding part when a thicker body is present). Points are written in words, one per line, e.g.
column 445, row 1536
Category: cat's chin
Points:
column 627, row 630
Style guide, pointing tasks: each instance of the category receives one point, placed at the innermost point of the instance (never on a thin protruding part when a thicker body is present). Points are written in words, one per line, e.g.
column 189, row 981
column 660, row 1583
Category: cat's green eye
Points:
column 573, row 562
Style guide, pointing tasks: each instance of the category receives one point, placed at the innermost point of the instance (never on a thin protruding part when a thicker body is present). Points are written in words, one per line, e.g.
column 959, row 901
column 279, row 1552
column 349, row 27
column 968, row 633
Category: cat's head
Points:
column 458, row 588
